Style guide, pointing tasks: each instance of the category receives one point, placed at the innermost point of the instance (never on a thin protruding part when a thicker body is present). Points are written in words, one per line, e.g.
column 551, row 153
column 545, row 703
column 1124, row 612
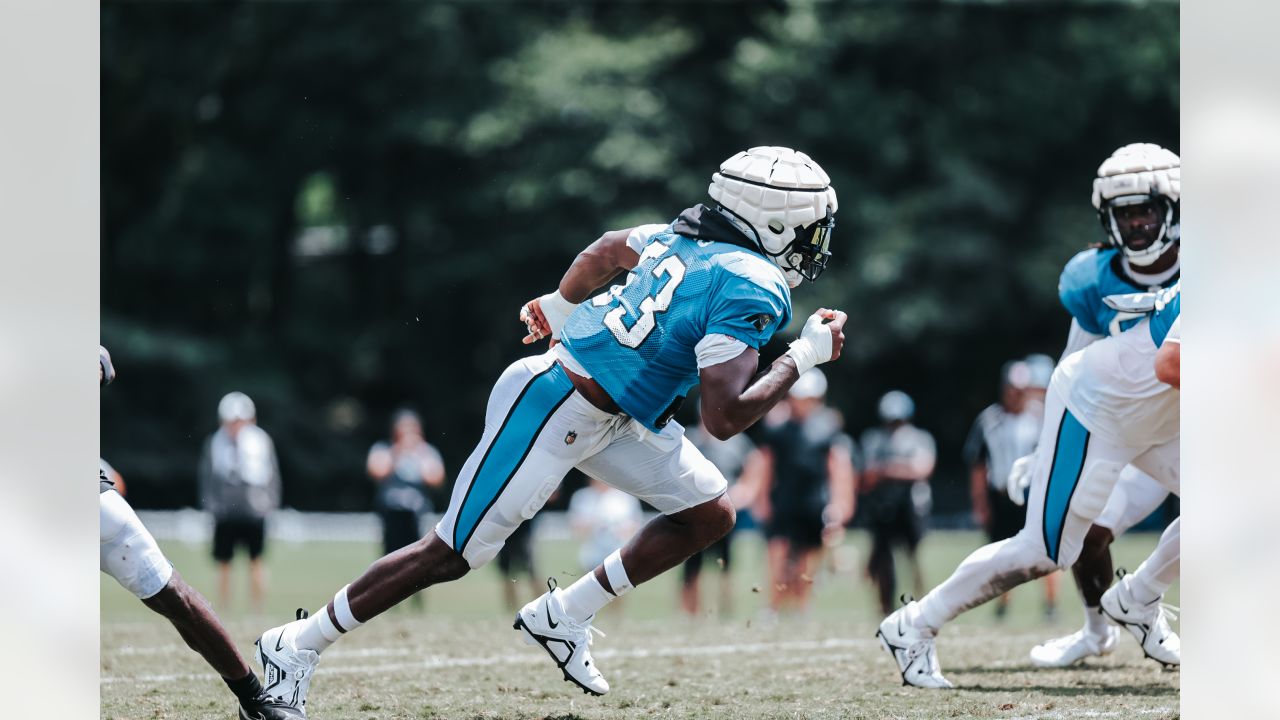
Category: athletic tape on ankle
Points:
column 342, row 610
column 327, row 628
column 617, row 575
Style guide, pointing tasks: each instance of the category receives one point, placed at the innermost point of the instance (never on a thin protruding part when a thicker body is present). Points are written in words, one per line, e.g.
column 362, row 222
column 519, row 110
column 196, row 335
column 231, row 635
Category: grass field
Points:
column 460, row 658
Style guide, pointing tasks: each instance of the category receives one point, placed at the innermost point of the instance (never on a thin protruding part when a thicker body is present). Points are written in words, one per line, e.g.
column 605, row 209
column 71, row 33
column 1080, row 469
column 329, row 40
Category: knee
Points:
column 437, row 562
column 1097, row 541
column 721, row 518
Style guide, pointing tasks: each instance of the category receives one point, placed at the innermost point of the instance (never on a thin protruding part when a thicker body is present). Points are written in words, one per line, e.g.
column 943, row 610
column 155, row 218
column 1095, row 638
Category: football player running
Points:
column 130, row 555
column 1137, row 197
column 1105, row 409
column 702, row 296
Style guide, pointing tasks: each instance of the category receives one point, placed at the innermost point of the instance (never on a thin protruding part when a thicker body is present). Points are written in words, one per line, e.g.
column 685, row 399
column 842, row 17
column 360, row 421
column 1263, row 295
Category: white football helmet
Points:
column 1135, row 174
column 787, row 202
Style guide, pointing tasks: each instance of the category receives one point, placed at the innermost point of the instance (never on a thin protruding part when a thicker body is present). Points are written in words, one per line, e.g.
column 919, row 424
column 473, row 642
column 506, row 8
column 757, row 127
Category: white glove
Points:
column 813, row 347
column 554, row 308
column 1020, row 478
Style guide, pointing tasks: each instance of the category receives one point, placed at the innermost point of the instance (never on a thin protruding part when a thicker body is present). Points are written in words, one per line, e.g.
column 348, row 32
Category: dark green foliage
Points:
column 447, row 159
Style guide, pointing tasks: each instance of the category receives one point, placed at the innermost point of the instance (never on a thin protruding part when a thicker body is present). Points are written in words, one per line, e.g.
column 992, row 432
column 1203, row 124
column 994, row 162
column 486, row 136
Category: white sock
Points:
column 1095, row 623
column 1154, row 576
column 587, row 596
column 319, row 631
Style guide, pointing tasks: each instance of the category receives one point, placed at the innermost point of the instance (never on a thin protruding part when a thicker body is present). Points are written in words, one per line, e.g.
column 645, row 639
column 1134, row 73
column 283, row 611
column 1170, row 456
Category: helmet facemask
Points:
column 1140, row 174
column 807, row 254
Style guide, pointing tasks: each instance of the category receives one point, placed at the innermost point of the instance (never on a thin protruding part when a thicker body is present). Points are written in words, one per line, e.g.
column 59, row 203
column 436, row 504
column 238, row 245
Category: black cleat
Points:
column 265, row 707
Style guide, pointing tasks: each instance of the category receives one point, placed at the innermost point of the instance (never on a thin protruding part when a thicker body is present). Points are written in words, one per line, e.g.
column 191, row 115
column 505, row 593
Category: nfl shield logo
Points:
column 573, row 435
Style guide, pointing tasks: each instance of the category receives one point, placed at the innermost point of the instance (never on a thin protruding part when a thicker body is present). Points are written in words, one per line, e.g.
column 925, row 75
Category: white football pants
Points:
column 1072, row 479
column 129, row 553
column 537, row 427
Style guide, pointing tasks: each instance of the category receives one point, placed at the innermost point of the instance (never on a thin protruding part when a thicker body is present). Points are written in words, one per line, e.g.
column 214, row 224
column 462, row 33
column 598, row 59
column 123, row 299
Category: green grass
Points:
column 460, row 659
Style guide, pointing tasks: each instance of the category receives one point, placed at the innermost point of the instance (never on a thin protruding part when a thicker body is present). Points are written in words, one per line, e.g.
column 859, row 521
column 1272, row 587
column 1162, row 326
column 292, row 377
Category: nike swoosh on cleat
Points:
column 280, row 641
column 546, row 606
column 1123, row 609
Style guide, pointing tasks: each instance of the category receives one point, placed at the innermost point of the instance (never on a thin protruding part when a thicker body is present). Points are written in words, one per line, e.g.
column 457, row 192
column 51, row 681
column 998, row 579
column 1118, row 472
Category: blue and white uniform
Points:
column 696, row 298
column 1089, row 278
column 1105, row 409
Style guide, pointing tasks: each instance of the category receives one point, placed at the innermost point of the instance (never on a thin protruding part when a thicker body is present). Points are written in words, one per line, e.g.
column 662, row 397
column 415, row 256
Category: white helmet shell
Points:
column 1136, row 173
column 775, row 191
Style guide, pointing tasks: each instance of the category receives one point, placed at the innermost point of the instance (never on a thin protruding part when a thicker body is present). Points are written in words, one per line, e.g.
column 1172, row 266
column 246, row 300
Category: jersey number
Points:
column 635, row 335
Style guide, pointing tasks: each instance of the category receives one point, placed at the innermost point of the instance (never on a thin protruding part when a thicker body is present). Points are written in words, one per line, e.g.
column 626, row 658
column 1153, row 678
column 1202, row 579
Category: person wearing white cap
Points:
column 807, row 490
column 900, row 458
column 239, row 478
column 1003, row 432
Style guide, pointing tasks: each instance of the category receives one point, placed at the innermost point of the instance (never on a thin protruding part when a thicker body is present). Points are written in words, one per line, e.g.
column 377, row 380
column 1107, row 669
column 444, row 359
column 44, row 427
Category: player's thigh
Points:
column 536, row 429
column 671, row 476
column 1072, row 479
column 128, row 552
column 1136, row 495
column 1163, row 464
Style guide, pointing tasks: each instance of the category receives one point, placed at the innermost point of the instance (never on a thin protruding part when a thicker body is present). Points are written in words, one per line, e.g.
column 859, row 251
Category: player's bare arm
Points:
column 735, row 395
column 598, row 263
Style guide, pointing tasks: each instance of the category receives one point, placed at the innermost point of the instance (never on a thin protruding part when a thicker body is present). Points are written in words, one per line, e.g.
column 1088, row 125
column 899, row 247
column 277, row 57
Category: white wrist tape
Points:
column 804, row 354
column 618, row 579
column 557, row 310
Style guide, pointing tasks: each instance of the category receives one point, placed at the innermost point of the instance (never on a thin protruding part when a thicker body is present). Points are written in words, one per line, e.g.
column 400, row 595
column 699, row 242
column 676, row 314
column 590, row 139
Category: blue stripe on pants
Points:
column 1068, row 463
column 535, row 405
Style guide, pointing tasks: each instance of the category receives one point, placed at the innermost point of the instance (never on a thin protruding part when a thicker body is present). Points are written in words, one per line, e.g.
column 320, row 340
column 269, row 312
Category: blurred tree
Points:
column 338, row 207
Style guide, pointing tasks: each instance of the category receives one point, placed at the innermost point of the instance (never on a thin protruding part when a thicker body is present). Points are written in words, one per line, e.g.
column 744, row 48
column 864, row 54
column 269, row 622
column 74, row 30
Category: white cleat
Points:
column 286, row 669
column 913, row 649
column 1148, row 623
column 1069, row 650
column 544, row 622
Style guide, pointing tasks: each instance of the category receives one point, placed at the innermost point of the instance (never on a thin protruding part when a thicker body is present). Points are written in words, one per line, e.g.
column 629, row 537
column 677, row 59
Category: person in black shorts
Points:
column 900, row 458
column 808, row 497
column 405, row 470
column 515, row 559
column 239, row 478
column 737, row 459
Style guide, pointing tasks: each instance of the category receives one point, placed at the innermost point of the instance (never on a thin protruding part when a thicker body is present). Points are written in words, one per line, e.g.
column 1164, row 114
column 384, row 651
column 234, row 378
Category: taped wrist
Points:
column 556, row 310
column 804, row 354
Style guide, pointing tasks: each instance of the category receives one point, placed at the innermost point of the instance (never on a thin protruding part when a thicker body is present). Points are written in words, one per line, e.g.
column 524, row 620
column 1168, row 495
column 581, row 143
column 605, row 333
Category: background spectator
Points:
column 1002, row 433
column 239, row 479
column 604, row 519
column 900, row 458
column 404, row 469
column 739, row 461
column 808, row 493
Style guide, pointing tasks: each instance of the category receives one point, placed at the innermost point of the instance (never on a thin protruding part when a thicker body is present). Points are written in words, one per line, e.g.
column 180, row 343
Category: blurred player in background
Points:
column 702, row 296
column 808, row 493
column 900, row 458
column 404, row 470
column 603, row 519
column 516, row 558
column 130, row 555
column 1136, row 194
column 1106, row 409
column 239, row 479
column 1002, row 433
column 741, row 463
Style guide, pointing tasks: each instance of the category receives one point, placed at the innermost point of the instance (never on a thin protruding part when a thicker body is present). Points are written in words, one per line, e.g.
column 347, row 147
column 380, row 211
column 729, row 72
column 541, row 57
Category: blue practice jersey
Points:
column 1091, row 276
column 1168, row 308
column 638, row 340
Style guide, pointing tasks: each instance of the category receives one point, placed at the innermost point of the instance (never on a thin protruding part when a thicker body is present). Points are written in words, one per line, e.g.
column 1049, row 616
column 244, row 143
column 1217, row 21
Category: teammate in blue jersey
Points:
column 1137, row 194
column 1105, row 409
column 702, row 295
